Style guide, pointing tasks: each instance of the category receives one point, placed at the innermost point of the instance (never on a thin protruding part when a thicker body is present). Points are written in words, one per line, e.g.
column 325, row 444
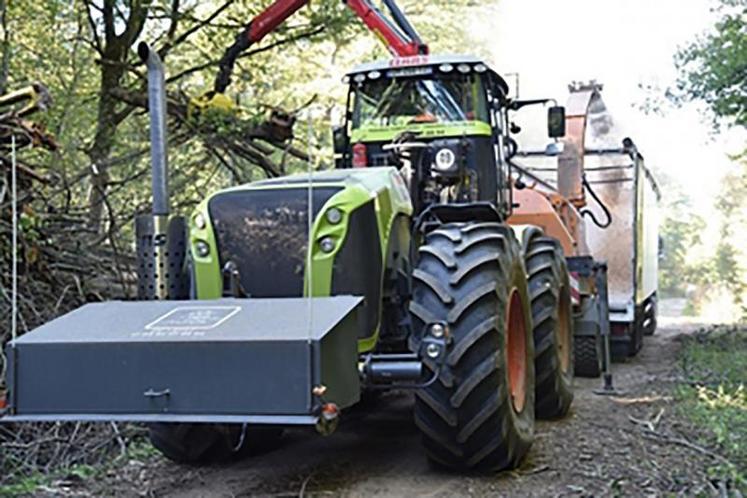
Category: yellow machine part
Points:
column 210, row 102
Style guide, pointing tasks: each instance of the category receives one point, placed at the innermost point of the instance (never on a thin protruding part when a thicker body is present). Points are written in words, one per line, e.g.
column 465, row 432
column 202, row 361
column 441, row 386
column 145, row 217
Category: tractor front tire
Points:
column 552, row 318
column 479, row 414
column 190, row 443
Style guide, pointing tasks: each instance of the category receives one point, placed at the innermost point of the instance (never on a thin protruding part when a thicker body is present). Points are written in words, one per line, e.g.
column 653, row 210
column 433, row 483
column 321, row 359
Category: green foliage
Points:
column 678, row 237
column 714, row 67
column 713, row 70
column 680, row 231
column 715, row 397
column 56, row 42
column 137, row 449
column 730, row 261
column 298, row 67
column 26, row 486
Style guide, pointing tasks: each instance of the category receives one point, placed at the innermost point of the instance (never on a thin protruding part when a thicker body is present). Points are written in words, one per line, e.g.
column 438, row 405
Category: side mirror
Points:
column 556, row 121
column 338, row 144
column 338, row 139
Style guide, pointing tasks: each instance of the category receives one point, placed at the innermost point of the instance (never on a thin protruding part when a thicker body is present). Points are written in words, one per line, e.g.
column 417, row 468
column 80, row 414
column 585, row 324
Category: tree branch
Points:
column 198, row 26
column 96, row 40
column 174, row 19
column 250, row 53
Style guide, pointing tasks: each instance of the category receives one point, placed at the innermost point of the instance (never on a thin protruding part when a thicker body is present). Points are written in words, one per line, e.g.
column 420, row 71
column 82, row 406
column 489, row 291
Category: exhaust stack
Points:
column 160, row 239
column 157, row 110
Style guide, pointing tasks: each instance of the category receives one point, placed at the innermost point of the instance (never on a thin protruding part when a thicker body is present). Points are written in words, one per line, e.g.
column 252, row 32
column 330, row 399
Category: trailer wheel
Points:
column 588, row 356
column 479, row 414
column 210, row 443
column 552, row 318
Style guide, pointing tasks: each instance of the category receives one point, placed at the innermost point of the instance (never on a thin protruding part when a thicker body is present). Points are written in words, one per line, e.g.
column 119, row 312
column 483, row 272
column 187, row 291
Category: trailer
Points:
column 618, row 196
column 628, row 240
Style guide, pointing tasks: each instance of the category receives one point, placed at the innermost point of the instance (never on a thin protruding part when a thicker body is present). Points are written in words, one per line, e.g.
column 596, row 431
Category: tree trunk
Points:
column 106, row 129
column 5, row 55
column 114, row 51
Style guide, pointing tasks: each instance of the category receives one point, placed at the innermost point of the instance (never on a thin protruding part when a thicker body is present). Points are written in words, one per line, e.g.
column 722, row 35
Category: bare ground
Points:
column 633, row 444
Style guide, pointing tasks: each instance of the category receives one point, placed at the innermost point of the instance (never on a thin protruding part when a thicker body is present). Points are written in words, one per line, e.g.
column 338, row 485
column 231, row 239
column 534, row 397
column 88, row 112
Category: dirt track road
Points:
column 607, row 446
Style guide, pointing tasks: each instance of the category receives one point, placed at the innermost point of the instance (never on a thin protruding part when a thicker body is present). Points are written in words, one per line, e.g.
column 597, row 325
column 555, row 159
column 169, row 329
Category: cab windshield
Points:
column 404, row 101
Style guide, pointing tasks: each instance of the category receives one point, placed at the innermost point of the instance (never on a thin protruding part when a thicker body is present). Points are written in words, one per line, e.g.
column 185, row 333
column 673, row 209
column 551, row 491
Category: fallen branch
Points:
column 252, row 142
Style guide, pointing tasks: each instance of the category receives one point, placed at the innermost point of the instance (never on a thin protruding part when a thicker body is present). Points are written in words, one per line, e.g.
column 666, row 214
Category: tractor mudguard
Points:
column 218, row 361
column 463, row 212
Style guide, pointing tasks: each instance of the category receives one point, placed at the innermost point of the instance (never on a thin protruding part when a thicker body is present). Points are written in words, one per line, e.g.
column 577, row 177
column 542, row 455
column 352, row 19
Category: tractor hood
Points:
column 257, row 240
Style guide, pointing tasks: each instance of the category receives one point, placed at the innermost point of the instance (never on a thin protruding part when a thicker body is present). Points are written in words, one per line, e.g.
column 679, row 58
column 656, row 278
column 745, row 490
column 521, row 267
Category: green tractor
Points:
column 413, row 219
column 246, row 324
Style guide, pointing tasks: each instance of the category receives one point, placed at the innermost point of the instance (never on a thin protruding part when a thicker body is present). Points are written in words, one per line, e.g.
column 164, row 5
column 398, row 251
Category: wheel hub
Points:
column 516, row 351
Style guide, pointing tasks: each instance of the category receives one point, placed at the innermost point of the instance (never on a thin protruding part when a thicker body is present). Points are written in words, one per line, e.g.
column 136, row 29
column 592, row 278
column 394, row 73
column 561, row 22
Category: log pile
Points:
column 61, row 266
column 64, row 263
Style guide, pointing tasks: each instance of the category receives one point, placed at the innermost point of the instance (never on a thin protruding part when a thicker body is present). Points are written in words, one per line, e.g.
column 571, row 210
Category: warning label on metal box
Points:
column 193, row 318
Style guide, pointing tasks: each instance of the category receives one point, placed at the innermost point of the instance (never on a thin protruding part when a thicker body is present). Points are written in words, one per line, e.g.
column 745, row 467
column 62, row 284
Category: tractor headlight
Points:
column 438, row 330
column 327, row 244
column 433, row 351
column 334, row 215
column 445, row 160
column 202, row 248
column 200, row 221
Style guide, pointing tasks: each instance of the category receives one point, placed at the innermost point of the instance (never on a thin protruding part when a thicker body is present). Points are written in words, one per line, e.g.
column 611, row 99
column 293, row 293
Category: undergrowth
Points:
column 714, row 397
column 55, row 456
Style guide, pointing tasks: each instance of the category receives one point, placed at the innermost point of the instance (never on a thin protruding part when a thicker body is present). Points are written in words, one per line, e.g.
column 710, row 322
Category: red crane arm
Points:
column 397, row 43
column 271, row 18
column 396, row 40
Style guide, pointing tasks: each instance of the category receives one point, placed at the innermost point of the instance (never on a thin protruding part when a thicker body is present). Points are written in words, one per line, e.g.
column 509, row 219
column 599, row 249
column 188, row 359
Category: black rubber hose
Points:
column 588, row 213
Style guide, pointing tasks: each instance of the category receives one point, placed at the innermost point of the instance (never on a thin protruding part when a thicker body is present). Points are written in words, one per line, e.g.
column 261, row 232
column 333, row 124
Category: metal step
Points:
column 225, row 360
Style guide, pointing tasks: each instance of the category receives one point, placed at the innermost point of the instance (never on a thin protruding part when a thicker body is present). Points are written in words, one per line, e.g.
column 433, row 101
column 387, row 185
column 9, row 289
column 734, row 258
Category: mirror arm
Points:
column 515, row 105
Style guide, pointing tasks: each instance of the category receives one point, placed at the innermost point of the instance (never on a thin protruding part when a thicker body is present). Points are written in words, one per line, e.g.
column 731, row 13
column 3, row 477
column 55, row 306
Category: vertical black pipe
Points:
column 158, row 138
column 155, row 239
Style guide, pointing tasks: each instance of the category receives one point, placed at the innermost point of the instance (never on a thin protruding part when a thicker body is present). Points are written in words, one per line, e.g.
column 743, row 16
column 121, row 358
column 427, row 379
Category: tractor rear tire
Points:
column 210, row 443
column 479, row 414
column 552, row 318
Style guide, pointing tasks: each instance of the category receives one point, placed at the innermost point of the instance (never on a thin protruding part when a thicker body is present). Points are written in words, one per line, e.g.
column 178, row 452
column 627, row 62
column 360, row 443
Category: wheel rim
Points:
column 516, row 351
column 564, row 330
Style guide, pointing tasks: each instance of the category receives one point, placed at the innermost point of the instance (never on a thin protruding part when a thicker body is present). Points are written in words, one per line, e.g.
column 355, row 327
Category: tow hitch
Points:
column 405, row 371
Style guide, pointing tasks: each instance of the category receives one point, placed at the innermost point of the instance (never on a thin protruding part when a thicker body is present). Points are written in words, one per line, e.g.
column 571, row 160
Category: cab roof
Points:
column 416, row 61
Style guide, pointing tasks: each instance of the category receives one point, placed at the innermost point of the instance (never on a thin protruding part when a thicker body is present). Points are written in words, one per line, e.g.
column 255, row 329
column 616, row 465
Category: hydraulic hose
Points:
column 590, row 214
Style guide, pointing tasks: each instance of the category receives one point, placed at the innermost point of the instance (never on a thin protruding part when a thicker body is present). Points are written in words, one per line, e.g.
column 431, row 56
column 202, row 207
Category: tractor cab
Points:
column 451, row 107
